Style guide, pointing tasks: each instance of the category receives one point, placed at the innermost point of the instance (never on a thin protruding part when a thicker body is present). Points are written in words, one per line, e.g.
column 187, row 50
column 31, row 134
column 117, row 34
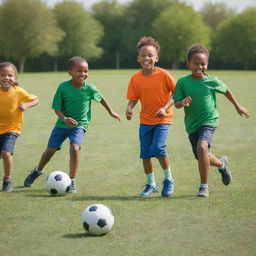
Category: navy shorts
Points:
column 58, row 135
column 203, row 133
column 153, row 140
column 7, row 141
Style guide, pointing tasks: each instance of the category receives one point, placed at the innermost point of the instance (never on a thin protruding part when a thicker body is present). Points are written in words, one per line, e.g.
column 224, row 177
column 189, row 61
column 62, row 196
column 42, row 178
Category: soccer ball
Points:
column 57, row 183
column 97, row 219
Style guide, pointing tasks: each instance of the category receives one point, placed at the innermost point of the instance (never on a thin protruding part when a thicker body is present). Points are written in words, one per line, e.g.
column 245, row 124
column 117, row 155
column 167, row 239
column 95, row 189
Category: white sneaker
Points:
column 72, row 189
column 203, row 192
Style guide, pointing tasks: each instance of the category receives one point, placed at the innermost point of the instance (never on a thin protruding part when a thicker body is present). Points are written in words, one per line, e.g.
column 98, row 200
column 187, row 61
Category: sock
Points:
column 168, row 174
column 151, row 179
column 73, row 182
column 203, row 185
column 222, row 167
column 38, row 171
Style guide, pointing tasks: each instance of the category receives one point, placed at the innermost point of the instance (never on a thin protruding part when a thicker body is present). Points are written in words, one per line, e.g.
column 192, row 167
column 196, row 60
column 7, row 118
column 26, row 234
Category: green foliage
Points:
column 236, row 38
column 82, row 32
column 110, row 172
column 111, row 16
column 214, row 13
column 27, row 29
column 177, row 28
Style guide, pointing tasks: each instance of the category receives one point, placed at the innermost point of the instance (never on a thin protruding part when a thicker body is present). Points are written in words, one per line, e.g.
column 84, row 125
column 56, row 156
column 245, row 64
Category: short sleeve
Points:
column 26, row 97
column 57, row 99
column 217, row 85
column 96, row 94
column 178, row 94
column 170, row 81
column 131, row 92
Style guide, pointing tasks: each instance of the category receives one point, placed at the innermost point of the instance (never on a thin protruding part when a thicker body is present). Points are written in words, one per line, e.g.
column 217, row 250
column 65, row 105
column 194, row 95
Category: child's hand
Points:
column 186, row 101
column 128, row 114
column 115, row 115
column 70, row 121
column 242, row 111
column 161, row 112
column 23, row 107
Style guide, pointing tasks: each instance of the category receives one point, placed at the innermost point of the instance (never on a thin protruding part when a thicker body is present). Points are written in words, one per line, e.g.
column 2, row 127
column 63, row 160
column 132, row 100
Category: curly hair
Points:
column 148, row 41
column 74, row 61
column 9, row 64
column 197, row 48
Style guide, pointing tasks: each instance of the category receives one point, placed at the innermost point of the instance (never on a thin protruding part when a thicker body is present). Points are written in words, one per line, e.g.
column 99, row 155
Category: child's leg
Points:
column 214, row 161
column 74, row 152
column 46, row 157
column 203, row 161
column 7, row 162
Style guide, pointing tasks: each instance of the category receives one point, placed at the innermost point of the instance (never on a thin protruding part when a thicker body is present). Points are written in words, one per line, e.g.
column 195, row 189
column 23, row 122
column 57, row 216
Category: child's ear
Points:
column 157, row 58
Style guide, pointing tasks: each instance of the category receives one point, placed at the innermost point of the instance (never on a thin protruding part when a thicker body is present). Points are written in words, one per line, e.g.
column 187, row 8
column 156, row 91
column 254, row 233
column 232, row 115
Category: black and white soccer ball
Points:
column 97, row 219
column 57, row 183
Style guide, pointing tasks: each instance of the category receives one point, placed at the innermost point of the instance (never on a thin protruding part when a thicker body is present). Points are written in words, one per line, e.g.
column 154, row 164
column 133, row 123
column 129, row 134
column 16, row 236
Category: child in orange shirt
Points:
column 153, row 87
column 13, row 101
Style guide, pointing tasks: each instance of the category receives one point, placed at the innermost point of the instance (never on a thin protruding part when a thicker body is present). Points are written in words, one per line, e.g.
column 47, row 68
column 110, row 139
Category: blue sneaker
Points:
column 225, row 173
column 31, row 178
column 149, row 190
column 168, row 187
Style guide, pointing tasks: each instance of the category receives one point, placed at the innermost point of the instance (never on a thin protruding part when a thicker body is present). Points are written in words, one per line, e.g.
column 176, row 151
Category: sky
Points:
column 239, row 5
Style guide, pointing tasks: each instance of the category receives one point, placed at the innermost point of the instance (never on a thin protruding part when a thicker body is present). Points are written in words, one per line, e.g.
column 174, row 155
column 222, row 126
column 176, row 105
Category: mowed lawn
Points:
column 32, row 223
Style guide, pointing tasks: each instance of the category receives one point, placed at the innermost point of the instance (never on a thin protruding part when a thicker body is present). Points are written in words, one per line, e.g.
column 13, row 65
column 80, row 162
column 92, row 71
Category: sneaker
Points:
column 31, row 178
column 7, row 184
column 149, row 190
column 225, row 173
column 203, row 192
column 72, row 189
column 168, row 187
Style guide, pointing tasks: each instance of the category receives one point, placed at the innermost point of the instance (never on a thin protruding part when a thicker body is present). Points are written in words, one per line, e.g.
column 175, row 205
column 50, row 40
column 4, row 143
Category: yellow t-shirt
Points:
column 10, row 115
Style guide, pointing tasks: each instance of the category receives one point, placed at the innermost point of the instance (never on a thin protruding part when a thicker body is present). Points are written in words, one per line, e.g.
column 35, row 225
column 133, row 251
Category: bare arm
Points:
column 110, row 111
column 240, row 110
column 183, row 103
column 30, row 104
column 67, row 120
column 131, row 104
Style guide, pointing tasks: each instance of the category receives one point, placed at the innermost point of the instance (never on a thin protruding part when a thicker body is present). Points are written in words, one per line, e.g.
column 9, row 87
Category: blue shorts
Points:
column 203, row 133
column 7, row 141
column 153, row 140
column 58, row 135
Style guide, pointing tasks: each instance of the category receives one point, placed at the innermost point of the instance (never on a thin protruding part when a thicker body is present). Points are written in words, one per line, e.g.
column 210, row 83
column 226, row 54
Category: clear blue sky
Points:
column 239, row 5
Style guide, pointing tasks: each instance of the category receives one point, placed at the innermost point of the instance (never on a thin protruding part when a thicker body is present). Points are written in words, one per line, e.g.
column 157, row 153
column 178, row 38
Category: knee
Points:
column 202, row 148
column 6, row 154
column 74, row 149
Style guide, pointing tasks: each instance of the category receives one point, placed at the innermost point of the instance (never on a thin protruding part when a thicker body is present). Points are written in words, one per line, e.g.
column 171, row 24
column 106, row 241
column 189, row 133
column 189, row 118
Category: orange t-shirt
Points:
column 10, row 115
column 154, row 92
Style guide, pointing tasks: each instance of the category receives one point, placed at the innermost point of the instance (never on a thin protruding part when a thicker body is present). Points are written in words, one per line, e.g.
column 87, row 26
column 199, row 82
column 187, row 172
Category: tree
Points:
column 236, row 38
column 215, row 13
column 82, row 31
column 139, row 17
column 177, row 28
column 27, row 29
column 111, row 16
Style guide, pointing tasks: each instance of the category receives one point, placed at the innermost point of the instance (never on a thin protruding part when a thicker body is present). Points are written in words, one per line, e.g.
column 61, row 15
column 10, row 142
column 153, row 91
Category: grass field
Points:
column 34, row 224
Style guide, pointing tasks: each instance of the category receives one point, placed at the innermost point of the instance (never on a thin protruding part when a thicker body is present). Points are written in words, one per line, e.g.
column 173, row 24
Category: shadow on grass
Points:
column 80, row 235
column 130, row 198
column 22, row 189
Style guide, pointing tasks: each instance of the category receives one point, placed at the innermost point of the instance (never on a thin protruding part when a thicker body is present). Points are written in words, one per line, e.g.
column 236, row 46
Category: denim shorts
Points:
column 153, row 140
column 58, row 135
column 203, row 133
column 7, row 141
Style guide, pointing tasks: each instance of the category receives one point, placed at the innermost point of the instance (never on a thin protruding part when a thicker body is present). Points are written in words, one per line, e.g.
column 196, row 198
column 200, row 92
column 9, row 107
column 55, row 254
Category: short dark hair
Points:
column 148, row 41
column 9, row 64
column 197, row 48
column 74, row 61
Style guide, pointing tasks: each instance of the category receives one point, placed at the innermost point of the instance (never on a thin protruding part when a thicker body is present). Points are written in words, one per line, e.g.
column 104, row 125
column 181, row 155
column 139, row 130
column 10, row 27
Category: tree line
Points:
column 38, row 38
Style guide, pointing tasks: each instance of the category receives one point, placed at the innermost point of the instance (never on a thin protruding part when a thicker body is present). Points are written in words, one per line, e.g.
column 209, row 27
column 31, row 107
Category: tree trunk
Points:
column 175, row 64
column 22, row 63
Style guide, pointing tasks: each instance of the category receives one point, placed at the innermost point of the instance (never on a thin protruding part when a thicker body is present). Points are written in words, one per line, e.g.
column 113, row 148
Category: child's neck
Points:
column 148, row 72
column 6, row 89
column 76, row 84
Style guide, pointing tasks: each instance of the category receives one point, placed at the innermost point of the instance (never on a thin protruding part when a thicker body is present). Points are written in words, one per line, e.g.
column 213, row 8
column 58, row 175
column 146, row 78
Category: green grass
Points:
column 33, row 223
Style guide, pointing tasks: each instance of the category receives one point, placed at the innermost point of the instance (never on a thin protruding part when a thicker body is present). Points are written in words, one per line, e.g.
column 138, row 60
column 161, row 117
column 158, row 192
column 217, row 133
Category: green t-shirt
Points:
column 75, row 103
column 203, row 108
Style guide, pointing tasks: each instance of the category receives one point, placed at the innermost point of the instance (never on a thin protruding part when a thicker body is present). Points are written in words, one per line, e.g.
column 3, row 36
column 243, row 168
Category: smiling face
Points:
column 79, row 73
column 7, row 78
column 147, row 57
column 198, row 65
